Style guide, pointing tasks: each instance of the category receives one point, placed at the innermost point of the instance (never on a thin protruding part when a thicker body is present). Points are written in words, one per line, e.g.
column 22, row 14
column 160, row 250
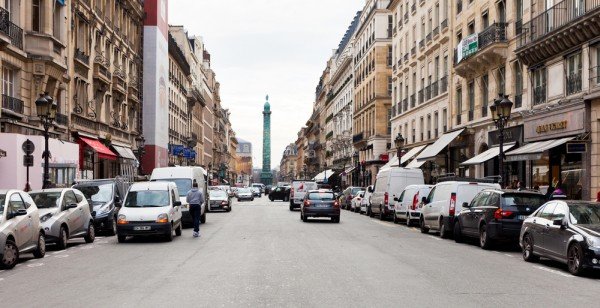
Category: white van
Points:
column 390, row 183
column 298, row 191
column 408, row 205
column 445, row 200
column 183, row 177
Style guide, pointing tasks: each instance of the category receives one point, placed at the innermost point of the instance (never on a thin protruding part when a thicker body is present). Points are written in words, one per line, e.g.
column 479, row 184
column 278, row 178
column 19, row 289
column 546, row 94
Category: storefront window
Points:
column 62, row 176
column 541, row 174
column 571, row 176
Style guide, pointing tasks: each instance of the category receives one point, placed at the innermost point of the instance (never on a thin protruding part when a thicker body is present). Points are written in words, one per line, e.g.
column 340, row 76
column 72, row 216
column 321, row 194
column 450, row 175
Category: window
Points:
column 70, row 197
column 56, row 20
column 471, row 100
column 519, row 19
column 573, row 73
column 458, row 105
column 422, row 129
column 390, row 85
column 485, row 20
column 15, row 203
column 36, row 15
column 445, row 120
column 471, row 27
column 548, row 211
column 429, row 126
column 518, row 84
column 484, row 95
column 539, row 86
column 560, row 212
column 8, row 81
column 435, row 124
column 389, row 56
column 501, row 80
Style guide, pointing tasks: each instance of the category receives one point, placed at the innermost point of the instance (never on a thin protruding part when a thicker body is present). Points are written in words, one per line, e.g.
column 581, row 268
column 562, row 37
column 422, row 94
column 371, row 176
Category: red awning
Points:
column 101, row 149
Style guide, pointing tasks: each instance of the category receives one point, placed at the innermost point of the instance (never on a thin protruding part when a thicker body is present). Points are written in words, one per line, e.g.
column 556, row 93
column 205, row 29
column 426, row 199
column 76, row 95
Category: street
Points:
column 261, row 254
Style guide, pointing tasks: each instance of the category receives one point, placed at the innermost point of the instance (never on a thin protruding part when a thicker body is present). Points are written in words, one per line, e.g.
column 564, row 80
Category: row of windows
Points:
column 435, row 18
column 428, row 128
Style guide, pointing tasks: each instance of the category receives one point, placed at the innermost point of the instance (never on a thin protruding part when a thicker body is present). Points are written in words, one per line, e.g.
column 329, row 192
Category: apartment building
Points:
column 287, row 166
column 372, row 90
column 421, row 69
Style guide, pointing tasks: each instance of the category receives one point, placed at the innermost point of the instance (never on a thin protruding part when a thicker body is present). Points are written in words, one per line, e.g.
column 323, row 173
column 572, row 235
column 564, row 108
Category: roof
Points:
column 159, row 185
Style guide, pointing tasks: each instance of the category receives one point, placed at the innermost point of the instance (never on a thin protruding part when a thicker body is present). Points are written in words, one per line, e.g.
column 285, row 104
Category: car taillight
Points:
column 336, row 204
column 501, row 214
column 292, row 193
column 452, row 209
column 415, row 201
column 306, row 203
column 224, row 203
column 386, row 198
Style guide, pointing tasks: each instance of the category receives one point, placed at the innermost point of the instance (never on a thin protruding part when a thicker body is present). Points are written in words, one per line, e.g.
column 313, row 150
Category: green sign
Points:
column 467, row 47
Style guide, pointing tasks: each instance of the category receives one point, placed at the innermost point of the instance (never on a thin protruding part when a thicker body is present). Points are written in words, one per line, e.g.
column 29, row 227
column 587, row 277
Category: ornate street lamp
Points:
column 399, row 143
column 46, row 109
column 501, row 110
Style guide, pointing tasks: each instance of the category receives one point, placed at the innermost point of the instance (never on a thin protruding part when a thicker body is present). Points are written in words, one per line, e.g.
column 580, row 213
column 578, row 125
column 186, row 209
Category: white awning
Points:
column 405, row 158
column 323, row 175
column 534, row 150
column 487, row 155
column 415, row 164
column 124, row 152
column 433, row 150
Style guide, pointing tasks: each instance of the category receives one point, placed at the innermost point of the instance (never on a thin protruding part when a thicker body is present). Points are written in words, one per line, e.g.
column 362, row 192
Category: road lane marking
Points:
column 61, row 256
column 510, row 256
column 35, row 265
column 553, row 271
column 383, row 223
column 435, row 237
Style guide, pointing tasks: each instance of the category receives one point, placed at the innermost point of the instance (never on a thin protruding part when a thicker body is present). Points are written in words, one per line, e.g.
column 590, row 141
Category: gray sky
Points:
column 260, row 47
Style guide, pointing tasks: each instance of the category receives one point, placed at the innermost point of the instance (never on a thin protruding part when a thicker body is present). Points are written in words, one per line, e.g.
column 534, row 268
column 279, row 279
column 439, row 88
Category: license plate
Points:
column 141, row 228
column 322, row 205
column 522, row 217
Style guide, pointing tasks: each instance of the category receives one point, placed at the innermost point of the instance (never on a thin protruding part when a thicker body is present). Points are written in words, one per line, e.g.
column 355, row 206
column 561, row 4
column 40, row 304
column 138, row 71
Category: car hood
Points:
column 218, row 199
column 591, row 229
column 144, row 213
column 43, row 212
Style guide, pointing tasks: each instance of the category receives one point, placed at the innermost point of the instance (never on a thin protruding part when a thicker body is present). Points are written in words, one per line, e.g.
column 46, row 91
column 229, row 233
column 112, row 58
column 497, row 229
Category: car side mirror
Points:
column 177, row 203
column 71, row 206
column 424, row 200
column 396, row 199
column 560, row 222
column 466, row 205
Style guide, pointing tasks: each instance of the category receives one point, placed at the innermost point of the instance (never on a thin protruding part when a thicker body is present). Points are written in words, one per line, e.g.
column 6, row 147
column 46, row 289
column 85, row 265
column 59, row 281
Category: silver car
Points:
column 64, row 214
column 20, row 229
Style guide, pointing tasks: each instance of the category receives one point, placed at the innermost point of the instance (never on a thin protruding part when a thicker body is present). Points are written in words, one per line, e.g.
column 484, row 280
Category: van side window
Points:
column 431, row 194
column 173, row 197
column 401, row 196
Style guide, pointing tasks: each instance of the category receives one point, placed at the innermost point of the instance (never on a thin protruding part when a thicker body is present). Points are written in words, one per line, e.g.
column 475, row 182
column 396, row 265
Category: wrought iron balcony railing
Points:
column 13, row 104
column 573, row 83
column 7, row 27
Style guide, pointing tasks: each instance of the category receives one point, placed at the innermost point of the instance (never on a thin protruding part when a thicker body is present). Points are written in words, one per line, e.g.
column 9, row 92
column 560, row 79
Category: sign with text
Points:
column 468, row 46
column 558, row 124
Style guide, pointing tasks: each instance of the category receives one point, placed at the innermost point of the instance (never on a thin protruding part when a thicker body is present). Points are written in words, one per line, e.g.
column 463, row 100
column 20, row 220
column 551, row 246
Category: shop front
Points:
column 96, row 160
column 556, row 151
column 437, row 158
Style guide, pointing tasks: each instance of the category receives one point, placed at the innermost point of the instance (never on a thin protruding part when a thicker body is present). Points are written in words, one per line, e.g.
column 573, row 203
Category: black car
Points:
column 104, row 197
column 496, row 215
column 268, row 189
column 280, row 193
column 565, row 231
column 320, row 203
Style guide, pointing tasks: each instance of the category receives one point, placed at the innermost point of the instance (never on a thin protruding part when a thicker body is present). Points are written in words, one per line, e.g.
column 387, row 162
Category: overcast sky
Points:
column 260, row 47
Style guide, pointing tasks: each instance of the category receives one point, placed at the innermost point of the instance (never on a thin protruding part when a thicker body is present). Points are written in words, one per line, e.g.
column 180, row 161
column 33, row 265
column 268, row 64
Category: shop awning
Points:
column 124, row 152
column 324, row 175
column 101, row 149
column 405, row 158
column 349, row 170
column 415, row 164
column 534, row 150
column 439, row 145
column 2, row 153
column 487, row 155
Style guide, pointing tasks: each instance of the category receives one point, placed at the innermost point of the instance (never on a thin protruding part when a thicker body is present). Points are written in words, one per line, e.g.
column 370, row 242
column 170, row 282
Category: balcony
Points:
column 406, row 57
column 436, row 31
column 13, row 104
column 435, row 89
column 12, row 33
column 428, row 37
column 422, row 43
column 101, row 72
column 565, row 25
column 82, row 57
column 573, row 83
column 405, row 104
column 427, row 92
column 62, row 119
column 444, row 24
column 488, row 50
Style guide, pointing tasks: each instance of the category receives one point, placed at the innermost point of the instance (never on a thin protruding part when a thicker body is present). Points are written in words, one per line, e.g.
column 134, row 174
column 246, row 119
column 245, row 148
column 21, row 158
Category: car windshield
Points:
column 324, row 196
column 355, row 190
column 46, row 200
column 183, row 185
column 100, row 193
column 2, row 198
column 244, row 190
column 585, row 214
column 217, row 194
column 147, row 198
column 524, row 199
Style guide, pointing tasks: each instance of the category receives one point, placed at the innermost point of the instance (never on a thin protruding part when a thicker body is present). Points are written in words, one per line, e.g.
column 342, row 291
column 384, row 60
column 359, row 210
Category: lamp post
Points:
column 399, row 143
column 305, row 169
column 501, row 110
column 141, row 142
column 46, row 109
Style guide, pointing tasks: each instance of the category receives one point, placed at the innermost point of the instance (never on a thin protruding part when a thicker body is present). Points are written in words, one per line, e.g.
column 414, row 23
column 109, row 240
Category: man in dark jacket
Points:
column 195, row 199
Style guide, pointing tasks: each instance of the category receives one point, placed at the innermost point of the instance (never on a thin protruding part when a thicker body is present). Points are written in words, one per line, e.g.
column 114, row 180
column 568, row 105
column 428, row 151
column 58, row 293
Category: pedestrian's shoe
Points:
column 196, row 234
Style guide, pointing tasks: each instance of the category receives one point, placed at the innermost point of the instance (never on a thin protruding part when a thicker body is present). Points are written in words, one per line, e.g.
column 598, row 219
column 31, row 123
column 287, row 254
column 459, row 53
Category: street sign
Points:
column 28, row 160
column 28, row 147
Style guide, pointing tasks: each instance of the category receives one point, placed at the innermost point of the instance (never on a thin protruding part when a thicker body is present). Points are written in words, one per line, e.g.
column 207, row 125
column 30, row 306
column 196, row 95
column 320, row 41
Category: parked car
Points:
column 496, row 215
column 355, row 203
column 256, row 192
column 268, row 189
column 408, row 206
column 104, row 197
column 298, row 191
column 445, row 200
column 260, row 187
column 219, row 200
column 365, row 203
column 64, row 214
column 184, row 178
column 20, row 228
column 150, row 209
column 348, row 194
column 389, row 185
column 280, row 193
column 320, row 203
column 245, row 194
column 565, row 231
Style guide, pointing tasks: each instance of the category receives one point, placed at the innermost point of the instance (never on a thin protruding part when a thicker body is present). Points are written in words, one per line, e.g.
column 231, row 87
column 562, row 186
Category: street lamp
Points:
column 399, row 143
column 501, row 110
column 46, row 109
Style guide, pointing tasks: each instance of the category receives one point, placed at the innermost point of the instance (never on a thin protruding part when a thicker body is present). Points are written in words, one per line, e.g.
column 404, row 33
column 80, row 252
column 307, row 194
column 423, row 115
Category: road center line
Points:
column 553, row 271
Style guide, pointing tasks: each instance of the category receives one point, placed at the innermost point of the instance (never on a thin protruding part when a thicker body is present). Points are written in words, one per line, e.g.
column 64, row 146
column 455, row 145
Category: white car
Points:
column 150, row 208
column 245, row 194
column 445, row 200
column 408, row 205
column 20, row 229
column 298, row 191
column 390, row 183
column 355, row 203
column 64, row 214
column 365, row 203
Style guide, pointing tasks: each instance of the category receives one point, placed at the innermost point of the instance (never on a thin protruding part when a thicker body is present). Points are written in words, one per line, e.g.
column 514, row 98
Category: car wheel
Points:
column 304, row 218
column 62, row 238
column 113, row 227
column 528, row 255
column 485, row 241
column 90, row 236
column 203, row 218
column 252, row 199
column 238, row 200
column 229, row 208
column 121, row 238
column 575, row 259
column 169, row 235
column 178, row 230
column 381, row 213
column 291, row 208
column 335, row 219
column 271, row 198
column 423, row 228
column 40, row 250
column 444, row 232
column 10, row 256
column 457, row 232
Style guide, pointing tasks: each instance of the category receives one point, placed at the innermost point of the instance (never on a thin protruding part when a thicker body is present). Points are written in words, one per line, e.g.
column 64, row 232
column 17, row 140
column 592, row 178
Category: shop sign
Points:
column 576, row 147
column 512, row 134
column 468, row 46
column 549, row 127
column 562, row 123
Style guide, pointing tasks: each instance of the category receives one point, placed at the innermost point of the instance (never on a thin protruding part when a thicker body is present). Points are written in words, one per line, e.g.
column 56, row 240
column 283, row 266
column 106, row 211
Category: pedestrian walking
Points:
column 195, row 199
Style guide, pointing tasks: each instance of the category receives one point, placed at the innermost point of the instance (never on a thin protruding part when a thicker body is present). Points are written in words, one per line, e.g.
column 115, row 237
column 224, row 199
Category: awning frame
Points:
column 442, row 143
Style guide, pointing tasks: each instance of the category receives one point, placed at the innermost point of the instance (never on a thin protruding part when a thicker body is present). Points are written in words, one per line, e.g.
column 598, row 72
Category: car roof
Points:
column 573, row 202
column 151, row 185
column 515, row 191
column 419, row 186
column 320, row 191
column 50, row 190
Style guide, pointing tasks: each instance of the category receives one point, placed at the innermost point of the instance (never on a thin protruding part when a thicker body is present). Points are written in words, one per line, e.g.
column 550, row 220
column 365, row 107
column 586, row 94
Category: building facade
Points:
column 244, row 164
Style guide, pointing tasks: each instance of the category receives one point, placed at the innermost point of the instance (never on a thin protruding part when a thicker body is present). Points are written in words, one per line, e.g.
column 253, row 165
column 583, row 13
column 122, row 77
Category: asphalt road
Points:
column 261, row 254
